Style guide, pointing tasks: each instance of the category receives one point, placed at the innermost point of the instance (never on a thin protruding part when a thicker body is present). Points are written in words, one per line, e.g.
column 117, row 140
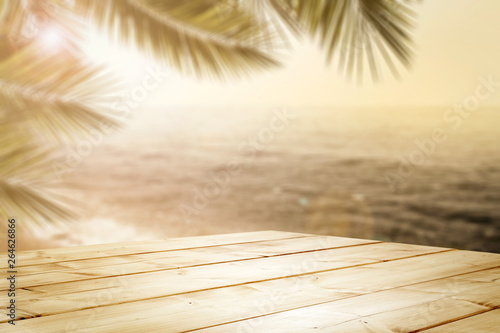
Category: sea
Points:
column 426, row 175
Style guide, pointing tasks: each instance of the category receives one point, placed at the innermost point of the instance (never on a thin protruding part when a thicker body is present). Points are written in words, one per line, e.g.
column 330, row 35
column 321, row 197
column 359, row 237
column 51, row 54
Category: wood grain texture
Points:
column 403, row 309
column 486, row 322
column 85, row 269
column 126, row 288
column 37, row 257
column 268, row 282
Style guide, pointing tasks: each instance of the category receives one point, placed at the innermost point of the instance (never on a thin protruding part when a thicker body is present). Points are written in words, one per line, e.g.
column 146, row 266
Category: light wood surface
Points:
column 488, row 321
column 267, row 281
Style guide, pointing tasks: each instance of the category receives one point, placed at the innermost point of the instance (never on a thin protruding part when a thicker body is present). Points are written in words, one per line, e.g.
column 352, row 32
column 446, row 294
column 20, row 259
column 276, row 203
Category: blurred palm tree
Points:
column 51, row 99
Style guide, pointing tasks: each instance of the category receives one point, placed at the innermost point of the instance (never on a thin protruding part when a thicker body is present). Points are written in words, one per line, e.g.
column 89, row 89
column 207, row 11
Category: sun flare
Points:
column 126, row 62
column 51, row 38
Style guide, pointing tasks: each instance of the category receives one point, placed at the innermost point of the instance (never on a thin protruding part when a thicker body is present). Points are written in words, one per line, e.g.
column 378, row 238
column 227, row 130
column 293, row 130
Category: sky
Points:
column 456, row 42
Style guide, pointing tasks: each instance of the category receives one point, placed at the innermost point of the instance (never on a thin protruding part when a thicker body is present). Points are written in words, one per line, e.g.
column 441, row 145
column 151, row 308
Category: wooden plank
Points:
column 71, row 296
column 108, row 250
column 36, row 275
column 486, row 322
column 403, row 309
column 211, row 307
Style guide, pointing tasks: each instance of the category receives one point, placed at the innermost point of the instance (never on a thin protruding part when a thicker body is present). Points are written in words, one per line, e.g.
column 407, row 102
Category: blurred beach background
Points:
column 324, row 173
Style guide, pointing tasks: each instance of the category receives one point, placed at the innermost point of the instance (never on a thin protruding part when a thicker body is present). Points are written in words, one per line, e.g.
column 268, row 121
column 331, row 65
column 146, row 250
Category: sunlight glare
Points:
column 124, row 61
column 51, row 38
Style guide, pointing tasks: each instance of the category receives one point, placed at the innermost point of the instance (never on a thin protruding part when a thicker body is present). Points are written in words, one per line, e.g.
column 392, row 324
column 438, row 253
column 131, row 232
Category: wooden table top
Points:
column 266, row 281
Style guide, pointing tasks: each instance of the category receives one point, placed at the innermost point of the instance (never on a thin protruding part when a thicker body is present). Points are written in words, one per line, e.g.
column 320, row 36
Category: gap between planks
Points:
column 198, row 289
column 362, row 295
column 450, row 323
column 210, row 241
column 226, row 326
column 251, row 256
column 463, row 325
column 124, row 315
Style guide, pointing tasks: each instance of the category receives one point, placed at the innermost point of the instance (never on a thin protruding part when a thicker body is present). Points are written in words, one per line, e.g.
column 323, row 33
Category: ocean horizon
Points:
column 421, row 176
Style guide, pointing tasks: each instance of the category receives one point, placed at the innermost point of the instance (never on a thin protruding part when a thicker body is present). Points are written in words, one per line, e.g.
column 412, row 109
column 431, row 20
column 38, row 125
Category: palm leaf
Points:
column 195, row 37
column 356, row 32
column 51, row 96
column 36, row 207
column 26, row 21
column 60, row 97
column 22, row 160
column 25, row 186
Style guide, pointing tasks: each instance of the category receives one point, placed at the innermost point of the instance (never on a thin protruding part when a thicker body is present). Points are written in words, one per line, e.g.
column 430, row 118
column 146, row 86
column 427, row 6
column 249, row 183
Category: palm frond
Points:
column 25, row 186
column 357, row 32
column 59, row 97
column 279, row 22
column 22, row 159
column 195, row 37
column 14, row 19
column 36, row 207
column 27, row 20
column 283, row 10
column 46, row 100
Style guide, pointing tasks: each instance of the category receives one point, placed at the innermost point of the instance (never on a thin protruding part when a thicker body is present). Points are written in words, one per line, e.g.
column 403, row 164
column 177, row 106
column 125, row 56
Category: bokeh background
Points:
column 326, row 171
